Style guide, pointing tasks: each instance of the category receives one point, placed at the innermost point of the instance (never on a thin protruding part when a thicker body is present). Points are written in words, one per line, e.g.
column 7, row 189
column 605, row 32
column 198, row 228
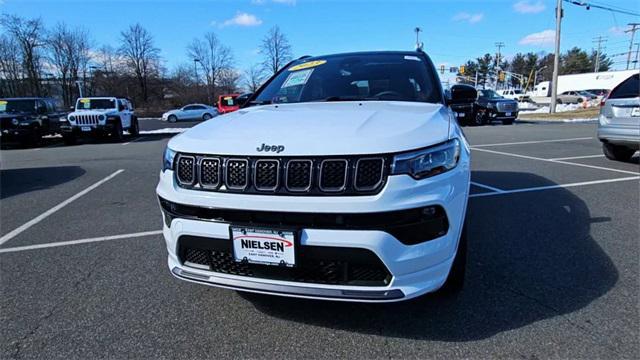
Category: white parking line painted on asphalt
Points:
column 81, row 241
column 494, row 189
column 45, row 214
column 559, row 186
column 555, row 161
column 578, row 157
column 533, row 142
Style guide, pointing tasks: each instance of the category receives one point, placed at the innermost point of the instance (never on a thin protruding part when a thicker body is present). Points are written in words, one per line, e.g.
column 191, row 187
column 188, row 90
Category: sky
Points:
column 452, row 31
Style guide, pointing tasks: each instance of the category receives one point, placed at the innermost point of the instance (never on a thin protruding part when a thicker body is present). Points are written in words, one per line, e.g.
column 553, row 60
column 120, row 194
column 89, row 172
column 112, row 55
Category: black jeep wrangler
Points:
column 26, row 120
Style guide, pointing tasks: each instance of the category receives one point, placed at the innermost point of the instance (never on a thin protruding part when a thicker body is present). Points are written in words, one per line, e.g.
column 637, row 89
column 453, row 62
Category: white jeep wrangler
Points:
column 100, row 116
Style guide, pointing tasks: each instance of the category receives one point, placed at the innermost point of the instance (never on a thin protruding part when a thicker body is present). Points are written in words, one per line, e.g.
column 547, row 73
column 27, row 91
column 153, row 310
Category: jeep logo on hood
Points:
column 273, row 148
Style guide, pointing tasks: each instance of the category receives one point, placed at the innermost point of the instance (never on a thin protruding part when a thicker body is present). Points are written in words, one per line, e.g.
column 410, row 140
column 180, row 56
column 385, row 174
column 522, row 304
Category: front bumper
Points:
column 414, row 269
column 93, row 130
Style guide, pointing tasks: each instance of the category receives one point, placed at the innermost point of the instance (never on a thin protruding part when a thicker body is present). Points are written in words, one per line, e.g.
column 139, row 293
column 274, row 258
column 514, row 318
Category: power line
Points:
column 589, row 5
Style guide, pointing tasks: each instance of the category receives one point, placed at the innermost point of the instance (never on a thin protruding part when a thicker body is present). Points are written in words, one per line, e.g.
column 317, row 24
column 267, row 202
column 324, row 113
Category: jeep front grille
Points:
column 352, row 175
column 87, row 119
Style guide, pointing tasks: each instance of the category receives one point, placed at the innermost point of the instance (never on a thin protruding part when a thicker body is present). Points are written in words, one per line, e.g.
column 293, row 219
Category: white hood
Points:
column 95, row 112
column 333, row 128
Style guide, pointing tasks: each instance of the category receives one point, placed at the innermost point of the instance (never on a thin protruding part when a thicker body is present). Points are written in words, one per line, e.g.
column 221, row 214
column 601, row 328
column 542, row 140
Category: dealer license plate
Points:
column 263, row 246
column 508, row 114
column 86, row 128
column 635, row 111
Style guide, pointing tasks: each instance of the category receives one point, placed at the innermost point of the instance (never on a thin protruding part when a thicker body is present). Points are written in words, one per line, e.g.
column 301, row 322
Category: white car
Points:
column 346, row 179
column 191, row 112
column 514, row 94
column 99, row 116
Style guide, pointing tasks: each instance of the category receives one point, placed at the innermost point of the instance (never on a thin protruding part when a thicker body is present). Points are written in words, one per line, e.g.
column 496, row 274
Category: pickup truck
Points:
column 514, row 94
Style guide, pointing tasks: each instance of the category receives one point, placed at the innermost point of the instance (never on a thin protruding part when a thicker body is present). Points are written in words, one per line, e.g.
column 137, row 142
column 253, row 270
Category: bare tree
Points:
column 229, row 81
column 141, row 56
column 253, row 77
column 214, row 58
column 276, row 50
column 69, row 53
column 29, row 34
column 110, row 65
column 10, row 67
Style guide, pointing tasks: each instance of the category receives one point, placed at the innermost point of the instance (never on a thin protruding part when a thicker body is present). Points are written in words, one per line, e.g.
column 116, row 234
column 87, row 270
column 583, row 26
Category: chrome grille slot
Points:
column 333, row 175
column 209, row 172
column 237, row 174
column 186, row 169
column 266, row 175
column 299, row 174
column 369, row 173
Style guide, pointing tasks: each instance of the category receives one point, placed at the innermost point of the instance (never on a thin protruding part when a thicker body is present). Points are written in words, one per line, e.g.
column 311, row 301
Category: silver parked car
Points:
column 619, row 120
column 191, row 112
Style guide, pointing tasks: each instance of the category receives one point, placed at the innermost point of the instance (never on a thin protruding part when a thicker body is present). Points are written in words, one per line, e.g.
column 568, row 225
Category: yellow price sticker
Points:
column 307, row 65
column 84, row 100
column 228, row 98
column 3, row 102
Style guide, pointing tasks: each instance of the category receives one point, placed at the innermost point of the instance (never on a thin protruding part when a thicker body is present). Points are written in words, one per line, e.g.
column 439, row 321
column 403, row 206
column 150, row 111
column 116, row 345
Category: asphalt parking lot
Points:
column 554, row 259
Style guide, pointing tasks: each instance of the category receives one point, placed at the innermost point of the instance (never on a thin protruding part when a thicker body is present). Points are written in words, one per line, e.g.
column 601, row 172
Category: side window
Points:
column 190, row 107
column 198, row 107
column 629, row 88
column 42, row 107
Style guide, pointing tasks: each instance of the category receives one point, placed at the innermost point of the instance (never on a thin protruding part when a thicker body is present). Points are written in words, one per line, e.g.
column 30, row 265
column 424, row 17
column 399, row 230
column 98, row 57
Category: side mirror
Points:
column 462, row 94
column 72, row 108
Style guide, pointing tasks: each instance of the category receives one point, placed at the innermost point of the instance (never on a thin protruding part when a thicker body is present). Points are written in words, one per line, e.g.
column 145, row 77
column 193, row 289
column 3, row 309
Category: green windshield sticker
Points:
column 297, row 78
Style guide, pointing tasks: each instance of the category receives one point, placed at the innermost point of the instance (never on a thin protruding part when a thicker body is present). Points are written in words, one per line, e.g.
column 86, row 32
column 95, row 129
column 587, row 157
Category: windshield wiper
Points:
column 260, row 102
column 348, row 98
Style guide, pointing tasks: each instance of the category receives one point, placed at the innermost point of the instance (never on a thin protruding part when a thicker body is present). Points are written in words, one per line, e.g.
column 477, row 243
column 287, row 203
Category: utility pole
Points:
column 599, row 40
column 634, row 28
column 499, row 45
column 556, row 59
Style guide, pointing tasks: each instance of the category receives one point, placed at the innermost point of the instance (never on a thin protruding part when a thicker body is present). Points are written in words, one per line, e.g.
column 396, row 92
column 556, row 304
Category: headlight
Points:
column 15, row 121
column 491, row 105
column 62, row 119
column 428, row 162
column 167, row 159
column 102, row 117
column 72, row 118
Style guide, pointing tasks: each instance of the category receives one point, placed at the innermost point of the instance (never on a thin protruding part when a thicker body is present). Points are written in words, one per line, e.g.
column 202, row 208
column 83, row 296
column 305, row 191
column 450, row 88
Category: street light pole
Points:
column 556, row 59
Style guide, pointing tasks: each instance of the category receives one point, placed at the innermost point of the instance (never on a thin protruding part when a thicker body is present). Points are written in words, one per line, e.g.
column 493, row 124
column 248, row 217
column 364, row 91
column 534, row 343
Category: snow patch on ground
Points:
column 163, row 131
column 559, row 108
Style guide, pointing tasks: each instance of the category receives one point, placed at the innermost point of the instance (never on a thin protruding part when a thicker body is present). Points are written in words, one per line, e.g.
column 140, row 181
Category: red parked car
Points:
column 227, row 103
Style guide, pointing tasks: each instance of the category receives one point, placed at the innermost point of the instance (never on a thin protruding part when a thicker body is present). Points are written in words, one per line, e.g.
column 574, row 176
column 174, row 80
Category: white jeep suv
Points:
column 97, row 116
column 344, row 177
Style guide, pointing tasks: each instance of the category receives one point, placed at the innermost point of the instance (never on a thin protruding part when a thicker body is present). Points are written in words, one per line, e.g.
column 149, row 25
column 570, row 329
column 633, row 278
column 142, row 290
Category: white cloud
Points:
column 241, row 19
column 617, row 30
column 529, row 7
column 470, row 18
column 542, row 38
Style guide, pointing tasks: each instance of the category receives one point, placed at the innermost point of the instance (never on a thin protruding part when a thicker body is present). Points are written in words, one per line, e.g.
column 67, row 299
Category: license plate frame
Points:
column 85, row 128
column 507, row 114
column 263, row 247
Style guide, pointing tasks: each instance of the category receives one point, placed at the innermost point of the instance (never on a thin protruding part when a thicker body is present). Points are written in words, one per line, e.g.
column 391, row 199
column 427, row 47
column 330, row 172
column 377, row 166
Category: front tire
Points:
column 117, row 133
column 206, row 117
column 617, row 152
column 172, row 118
column 455, row 279
column 478, row 119
column 134, row 129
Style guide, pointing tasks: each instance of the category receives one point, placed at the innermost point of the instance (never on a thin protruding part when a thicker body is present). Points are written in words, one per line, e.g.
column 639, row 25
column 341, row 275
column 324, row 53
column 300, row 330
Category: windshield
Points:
column 489, row 94
column 89, row 104
column 380, row 76
column 17, row 106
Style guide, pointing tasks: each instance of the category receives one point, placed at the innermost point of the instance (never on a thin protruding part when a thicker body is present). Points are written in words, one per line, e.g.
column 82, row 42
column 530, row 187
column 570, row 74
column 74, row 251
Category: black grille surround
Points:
column 315, row 176
column 314, row 264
